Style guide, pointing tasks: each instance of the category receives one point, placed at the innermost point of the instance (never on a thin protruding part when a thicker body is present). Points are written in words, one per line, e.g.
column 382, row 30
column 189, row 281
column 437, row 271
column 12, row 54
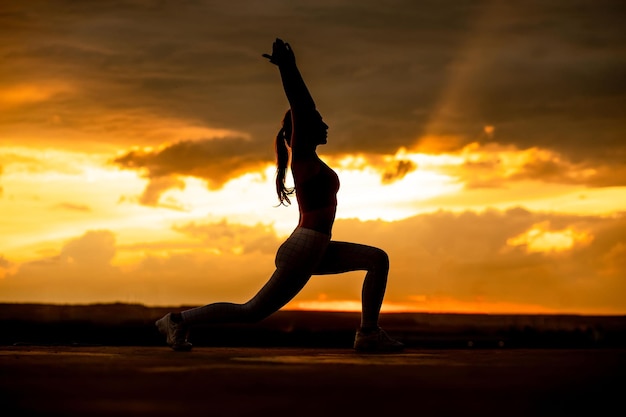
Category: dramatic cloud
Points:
column 214, row 160
column 541, row 74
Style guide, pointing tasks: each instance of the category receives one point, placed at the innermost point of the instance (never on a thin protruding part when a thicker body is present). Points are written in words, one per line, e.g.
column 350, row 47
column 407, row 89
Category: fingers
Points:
column 281, row 51
column 270, row 58
column 280, row 44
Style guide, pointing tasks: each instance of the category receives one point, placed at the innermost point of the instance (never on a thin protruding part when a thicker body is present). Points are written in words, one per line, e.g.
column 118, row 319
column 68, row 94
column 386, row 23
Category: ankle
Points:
column 368, row 329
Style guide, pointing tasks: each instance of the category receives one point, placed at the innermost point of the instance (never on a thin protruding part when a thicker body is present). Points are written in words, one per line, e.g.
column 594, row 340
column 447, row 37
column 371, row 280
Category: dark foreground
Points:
column 154, row 381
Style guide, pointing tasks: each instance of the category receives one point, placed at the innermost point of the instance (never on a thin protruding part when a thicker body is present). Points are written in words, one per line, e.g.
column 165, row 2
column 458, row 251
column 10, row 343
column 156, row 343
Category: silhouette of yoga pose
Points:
column 309, row 250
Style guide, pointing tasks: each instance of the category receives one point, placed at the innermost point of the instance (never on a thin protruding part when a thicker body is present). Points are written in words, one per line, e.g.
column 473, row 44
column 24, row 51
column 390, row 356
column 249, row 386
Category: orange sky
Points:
column 481, row 145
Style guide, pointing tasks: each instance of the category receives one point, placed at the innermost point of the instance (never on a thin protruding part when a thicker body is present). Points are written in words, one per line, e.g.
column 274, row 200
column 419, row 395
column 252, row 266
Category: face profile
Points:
column 322, row 129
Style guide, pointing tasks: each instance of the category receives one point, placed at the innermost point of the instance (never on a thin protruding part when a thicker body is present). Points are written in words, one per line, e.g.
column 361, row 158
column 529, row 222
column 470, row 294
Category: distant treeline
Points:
column 133, row 325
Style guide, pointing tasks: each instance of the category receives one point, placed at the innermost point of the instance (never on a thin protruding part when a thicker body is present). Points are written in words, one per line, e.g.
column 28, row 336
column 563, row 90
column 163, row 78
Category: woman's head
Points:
column 311, row 128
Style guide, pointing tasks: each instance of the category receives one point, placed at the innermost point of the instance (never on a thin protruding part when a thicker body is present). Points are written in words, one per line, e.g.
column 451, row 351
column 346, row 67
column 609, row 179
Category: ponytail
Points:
column 282, row 160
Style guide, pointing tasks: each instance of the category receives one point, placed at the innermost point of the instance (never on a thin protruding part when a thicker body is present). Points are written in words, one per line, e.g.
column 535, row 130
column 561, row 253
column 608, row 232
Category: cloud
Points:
column 495, row 165
column 398, row 171
column 465, row 258
column 156, row 187
column 80, row 272
column 214, row 160
column 18, row 95
column 542, row 237
column 226, row 237
column 38, row 161
column 93, row 249
column 472, row 256
column 384, row 77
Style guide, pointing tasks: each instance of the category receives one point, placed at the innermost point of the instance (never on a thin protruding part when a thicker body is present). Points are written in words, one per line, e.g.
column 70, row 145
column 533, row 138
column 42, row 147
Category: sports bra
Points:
column 318, row 191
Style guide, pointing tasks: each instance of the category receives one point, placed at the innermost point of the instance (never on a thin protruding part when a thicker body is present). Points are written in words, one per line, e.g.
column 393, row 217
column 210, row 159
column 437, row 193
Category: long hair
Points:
column 283, row 139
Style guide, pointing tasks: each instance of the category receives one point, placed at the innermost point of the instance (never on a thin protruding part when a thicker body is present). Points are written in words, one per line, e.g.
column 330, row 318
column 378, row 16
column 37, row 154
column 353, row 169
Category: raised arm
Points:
column 296, row 90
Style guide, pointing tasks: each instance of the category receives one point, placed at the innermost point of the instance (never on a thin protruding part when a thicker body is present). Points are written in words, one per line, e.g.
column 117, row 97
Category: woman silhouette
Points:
column 309, row 250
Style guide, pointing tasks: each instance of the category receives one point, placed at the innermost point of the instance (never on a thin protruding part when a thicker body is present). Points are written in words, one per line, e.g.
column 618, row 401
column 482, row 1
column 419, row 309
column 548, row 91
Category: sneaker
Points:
column 175, row 333
column 376, row 341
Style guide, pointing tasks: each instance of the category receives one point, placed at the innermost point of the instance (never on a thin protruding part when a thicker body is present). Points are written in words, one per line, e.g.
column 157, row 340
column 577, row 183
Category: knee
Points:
column 380, row 259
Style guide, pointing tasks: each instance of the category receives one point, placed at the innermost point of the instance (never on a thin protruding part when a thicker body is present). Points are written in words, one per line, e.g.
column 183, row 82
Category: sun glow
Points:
column 366, row 195
column 426, row 304
column 169, row 225
column 540, row 238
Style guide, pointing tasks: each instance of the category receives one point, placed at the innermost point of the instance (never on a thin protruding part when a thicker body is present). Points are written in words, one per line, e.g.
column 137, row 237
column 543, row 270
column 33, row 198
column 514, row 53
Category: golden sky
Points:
column 480, row 143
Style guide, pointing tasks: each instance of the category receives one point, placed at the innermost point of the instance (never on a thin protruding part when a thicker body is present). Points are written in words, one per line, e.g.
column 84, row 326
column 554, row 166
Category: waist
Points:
column 320, row 220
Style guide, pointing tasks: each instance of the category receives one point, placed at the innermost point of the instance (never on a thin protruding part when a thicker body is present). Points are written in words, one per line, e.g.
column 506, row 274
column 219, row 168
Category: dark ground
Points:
column 245, row 381
column 109, row 360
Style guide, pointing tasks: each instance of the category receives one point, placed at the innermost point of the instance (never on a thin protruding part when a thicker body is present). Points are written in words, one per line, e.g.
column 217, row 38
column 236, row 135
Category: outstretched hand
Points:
column 281, row 53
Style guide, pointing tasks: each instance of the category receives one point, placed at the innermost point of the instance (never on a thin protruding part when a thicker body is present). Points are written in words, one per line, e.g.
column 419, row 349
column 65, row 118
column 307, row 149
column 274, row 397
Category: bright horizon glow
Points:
column 77, row 191
column 52, row 182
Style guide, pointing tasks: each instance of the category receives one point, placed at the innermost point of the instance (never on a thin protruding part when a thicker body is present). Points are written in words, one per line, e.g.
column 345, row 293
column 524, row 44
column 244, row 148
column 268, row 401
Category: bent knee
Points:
column 380, row 258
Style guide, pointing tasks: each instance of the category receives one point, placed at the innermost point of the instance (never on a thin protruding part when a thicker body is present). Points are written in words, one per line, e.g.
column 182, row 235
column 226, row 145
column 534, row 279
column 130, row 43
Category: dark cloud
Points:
column 214, row 160
column 547, row 74
column 157, row 186
column 398, row 170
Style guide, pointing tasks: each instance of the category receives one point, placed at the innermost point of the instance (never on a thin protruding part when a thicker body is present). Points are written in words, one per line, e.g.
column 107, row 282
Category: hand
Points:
column 282, row 54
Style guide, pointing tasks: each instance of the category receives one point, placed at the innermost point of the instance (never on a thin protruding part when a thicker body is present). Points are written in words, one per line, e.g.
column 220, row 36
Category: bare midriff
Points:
column 320, row 220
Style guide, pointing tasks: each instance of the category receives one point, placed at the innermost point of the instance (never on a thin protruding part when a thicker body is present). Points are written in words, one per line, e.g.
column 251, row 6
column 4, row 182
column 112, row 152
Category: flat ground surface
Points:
column 154, row 381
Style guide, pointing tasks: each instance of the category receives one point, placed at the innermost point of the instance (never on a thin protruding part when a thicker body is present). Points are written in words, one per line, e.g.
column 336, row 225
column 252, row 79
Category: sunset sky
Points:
column 482, row 144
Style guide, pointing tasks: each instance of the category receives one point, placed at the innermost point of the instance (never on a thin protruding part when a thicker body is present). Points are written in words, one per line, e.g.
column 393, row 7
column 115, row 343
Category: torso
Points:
column 316, row 191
